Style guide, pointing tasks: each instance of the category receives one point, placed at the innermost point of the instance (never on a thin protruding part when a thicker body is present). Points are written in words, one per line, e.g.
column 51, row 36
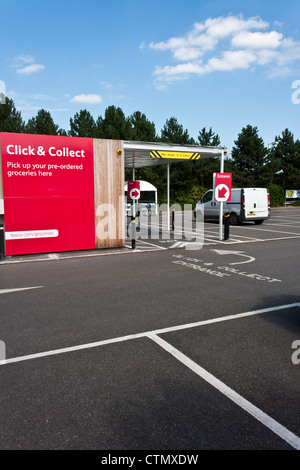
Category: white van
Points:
column 245, row 204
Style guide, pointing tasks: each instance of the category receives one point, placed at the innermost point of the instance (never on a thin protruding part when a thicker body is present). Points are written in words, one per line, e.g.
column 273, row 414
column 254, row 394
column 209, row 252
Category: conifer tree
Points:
column 43, row 124
column 10, row 118
column 82, row 125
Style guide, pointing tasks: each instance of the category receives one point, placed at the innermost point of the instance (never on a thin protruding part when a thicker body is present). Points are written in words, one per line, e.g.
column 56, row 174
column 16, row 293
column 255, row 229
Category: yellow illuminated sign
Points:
column 175, row 155
column 292, row 194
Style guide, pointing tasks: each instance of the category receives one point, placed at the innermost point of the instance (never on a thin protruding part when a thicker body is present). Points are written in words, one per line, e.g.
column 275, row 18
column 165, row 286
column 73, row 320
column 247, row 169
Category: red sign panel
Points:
column 133, row 190
column 48, row 190
column 222, row 186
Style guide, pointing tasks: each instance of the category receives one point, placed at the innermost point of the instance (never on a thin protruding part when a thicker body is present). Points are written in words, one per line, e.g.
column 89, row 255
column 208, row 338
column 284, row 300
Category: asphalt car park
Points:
column 283, row 224
column 158, row 348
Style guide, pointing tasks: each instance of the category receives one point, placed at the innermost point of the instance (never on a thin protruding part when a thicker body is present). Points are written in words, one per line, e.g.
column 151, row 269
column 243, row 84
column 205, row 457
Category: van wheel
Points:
column 258, row 222
column 234, row 219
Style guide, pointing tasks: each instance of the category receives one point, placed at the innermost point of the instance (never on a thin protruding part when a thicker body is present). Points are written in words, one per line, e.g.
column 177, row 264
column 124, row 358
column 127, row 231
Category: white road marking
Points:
column 257, row 413
column 8, row 291
column 285, row 225
column 119, row 339
column 152, row 244
column 276, row 231
column 233, row 252
column 229, row 242
column 239, row 236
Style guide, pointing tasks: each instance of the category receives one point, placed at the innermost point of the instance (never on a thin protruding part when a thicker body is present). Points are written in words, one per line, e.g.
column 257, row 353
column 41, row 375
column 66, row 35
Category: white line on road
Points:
column 258, row 414
column 169, row 329
column 284, row 225
column 276, row 231
column 8, row 291
column 152, row 244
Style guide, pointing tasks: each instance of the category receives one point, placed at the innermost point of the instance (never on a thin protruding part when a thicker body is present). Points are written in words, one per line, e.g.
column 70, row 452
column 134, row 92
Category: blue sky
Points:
column 219, row 64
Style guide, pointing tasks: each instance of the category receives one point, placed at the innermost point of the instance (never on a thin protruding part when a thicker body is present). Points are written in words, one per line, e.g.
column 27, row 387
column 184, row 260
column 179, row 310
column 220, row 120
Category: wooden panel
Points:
column 109, row 193
column 1, row 185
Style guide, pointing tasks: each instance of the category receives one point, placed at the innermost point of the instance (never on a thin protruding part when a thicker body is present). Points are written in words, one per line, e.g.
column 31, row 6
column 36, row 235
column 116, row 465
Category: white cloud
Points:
column 257, row 40
column 231, row 60
column 23, row 59
column 223, row 27
column 206, row 36
column 29, row 69
column 20, row 64
column 178, row 72
column 226, row 44
column 87, row 99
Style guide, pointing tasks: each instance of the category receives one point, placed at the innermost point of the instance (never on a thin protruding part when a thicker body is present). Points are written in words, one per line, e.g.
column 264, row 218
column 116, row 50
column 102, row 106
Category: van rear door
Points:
column 255, row 203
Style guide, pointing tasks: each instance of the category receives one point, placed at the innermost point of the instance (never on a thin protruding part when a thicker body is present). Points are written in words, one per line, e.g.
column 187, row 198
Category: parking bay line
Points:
column 285, row 225
column 144, row 334
column 212, row 236
column 258, row 414
column 229, row 242
column 277, row 231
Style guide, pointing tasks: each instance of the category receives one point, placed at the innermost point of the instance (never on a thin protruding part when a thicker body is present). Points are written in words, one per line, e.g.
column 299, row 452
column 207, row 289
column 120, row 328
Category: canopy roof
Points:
column 141, row 154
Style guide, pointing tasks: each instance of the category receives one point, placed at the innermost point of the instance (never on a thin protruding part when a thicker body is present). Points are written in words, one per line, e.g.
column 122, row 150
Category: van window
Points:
column 207, row 197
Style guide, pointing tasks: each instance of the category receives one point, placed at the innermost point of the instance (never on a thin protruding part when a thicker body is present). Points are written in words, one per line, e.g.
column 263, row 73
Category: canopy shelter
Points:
column 142, row 154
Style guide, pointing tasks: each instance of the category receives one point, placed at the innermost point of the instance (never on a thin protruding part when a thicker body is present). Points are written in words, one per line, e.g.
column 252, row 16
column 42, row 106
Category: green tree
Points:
column 208, row 138
column 204, row 169
column 284, row 161
column 82, row 125
column 249, row 157
column 182, row 175
column 10, row 118
column 43, row 124
column 142, row 129
column 172, row 132
column 114, row 125
column 276, row 193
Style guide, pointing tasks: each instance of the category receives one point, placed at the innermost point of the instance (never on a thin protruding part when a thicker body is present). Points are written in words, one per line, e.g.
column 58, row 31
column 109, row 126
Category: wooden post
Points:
column 109, row 193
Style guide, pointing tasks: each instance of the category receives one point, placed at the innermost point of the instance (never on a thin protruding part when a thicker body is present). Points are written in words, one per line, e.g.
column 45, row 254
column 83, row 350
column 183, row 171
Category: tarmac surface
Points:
column 162, row 348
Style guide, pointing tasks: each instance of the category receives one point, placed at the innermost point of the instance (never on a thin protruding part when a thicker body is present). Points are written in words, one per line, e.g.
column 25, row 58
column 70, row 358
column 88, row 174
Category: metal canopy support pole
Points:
column 133, row 179
column 222, row 162
column 168, row 197
column 221, row 203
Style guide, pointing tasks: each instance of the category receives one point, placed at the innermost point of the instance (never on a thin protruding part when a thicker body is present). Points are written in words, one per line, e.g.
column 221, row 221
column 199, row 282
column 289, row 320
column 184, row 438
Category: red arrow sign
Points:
column 222, row 192
column 133, row 190
column 222, row 185
column 134, row 194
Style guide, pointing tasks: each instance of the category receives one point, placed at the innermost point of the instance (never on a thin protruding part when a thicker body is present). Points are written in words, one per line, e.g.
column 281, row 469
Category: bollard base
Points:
column 226, row 225
column 2, row 249
column 133, row 233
